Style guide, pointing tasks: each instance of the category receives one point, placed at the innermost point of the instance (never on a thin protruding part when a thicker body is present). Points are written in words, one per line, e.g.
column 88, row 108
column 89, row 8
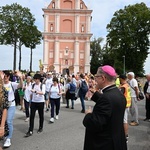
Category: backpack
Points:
column 84, row 87
column 40, row 86
column 58, row 88
column 72, row 88
column 16, row 94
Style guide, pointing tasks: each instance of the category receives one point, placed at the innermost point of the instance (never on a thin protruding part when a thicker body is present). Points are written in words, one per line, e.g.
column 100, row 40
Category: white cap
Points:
column 49, row 73
column 131, row 73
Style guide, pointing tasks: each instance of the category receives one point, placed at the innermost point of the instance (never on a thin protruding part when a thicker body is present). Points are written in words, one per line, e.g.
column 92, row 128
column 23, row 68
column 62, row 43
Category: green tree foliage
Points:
column 96, row 54
column 128, row 36
column 33, row 40
column 14, row 19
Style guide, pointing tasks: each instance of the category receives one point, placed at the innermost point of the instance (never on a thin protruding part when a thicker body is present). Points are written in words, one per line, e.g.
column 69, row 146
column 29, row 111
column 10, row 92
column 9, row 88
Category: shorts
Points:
column 46, row 95
column 125, row 120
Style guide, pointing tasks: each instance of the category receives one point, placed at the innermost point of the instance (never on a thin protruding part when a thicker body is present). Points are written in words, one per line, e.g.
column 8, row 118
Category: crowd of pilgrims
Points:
column 42, row 92
column 23, row 94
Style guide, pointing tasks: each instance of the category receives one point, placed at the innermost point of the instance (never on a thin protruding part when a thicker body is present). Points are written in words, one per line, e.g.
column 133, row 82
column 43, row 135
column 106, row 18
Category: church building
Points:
column 66, row 37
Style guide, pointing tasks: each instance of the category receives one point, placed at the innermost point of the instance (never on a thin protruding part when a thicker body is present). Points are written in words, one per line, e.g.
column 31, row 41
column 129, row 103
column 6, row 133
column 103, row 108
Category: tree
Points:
column 33, row 40
column 96, row 54
column 128, row 36
column 108, row 57
column 13, row 19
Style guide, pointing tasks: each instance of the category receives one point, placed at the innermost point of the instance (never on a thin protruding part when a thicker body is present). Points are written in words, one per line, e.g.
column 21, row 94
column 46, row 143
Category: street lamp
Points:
column 124, row 64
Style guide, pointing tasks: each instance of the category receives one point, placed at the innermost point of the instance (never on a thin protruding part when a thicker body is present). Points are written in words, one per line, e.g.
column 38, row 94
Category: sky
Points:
column 102, row 14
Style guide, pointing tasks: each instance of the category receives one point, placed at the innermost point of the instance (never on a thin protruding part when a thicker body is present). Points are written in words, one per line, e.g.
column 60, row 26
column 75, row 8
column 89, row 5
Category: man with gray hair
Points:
column 134, row 98
column 104, row 125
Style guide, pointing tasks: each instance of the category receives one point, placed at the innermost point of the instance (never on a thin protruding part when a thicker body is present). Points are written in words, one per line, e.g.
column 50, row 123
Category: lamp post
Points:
column 124, row 64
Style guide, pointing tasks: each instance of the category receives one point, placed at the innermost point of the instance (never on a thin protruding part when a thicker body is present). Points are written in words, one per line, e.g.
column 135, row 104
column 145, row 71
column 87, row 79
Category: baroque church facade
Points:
column 66, row 37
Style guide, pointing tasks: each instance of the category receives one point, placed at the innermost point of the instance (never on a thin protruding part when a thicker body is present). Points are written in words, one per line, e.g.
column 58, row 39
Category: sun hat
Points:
column 37, row 76
column 109, row 70
column 131, row 73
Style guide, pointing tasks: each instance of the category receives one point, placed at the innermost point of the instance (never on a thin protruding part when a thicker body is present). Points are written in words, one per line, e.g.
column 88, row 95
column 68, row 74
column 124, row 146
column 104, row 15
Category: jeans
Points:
column 40, row 108
column 10, row 117
column 72, row 97
column 82, row 98
column 72, row 103
column 55, row 102
column 46, row 95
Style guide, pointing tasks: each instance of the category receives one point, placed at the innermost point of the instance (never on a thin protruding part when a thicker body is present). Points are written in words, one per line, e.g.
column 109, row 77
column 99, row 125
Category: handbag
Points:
column 141, row 95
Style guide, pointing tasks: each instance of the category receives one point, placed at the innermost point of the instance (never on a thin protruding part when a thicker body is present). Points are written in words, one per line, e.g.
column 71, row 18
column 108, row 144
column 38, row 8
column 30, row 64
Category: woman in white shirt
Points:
column 55, row 95
column 27, row 96
column 11, row 87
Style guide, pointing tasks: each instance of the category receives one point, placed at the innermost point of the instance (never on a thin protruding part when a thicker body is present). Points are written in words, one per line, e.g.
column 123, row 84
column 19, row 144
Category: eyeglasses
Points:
column 96, row 76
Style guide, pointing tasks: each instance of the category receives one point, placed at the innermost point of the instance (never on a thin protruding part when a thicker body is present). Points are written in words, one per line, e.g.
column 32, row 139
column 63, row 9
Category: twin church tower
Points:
column 66, row 37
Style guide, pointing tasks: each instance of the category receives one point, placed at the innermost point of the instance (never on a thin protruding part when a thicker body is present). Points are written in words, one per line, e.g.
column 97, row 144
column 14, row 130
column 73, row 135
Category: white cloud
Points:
column 103, row 11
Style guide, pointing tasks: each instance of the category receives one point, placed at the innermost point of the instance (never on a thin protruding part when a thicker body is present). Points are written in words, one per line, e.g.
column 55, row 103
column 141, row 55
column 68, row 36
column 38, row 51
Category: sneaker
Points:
column 29, row 133
column 56, row 117
column 127, row 138
column 21, row 109
column 7, row 143
column 127, row 141
column 133, row 124
column 72, row 107
column 146, row 119
column 67, row 106
column 51, row 120
column 82, row 111
column 27, row 119
column 47, row 110
column 40, row 130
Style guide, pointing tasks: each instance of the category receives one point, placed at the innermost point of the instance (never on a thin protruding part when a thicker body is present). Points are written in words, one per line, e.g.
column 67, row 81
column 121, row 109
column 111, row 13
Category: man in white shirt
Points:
column 48, row 81
column 134, row 98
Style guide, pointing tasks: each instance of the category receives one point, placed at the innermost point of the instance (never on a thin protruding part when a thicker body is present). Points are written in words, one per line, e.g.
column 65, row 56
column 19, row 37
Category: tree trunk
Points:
column 20, row 56
column 15, row 52
column 31, row 60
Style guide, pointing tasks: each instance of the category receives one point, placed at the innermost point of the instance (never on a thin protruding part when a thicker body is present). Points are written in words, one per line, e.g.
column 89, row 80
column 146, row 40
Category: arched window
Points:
column 81, row 5
column 51, row 27
column 82, row 28
column 53, row 5
column 66, row 61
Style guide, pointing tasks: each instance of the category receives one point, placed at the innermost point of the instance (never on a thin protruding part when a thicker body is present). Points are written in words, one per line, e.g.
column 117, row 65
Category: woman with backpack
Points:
column 83, row 88
column 70, row 93
column 55, row 95
column 27, row 96
column 37, row 104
